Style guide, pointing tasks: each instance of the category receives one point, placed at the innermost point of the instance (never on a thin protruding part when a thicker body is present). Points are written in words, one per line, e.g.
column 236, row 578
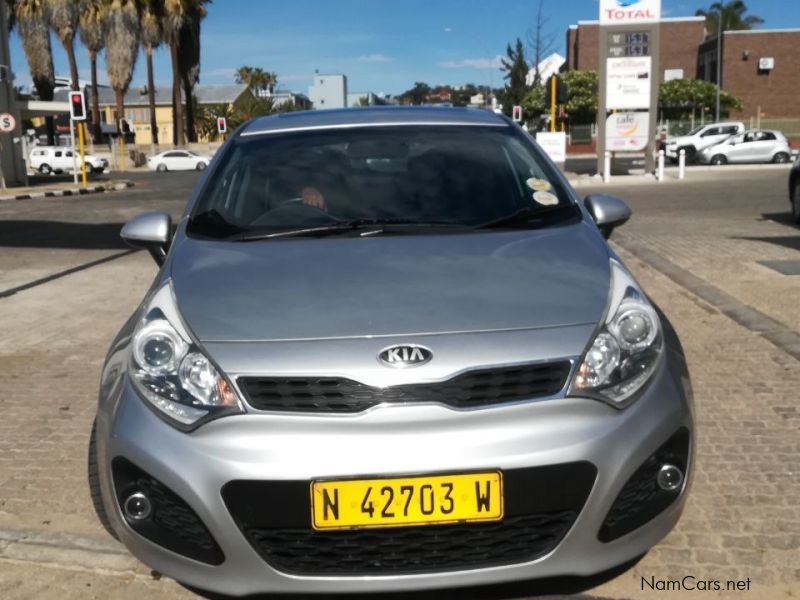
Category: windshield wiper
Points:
column 378, row 225
column 530, row 217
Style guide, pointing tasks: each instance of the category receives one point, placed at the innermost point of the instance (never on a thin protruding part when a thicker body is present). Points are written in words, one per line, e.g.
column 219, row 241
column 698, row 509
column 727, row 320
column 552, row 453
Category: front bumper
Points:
column 389, row 441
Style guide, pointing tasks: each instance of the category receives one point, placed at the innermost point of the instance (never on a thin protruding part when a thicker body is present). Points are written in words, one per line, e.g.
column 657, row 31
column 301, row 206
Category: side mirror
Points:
column 151, row 231
column 607, row 211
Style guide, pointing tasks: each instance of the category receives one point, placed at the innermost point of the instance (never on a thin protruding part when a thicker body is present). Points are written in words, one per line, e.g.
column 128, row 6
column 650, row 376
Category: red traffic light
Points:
column 222, row 125
column 77, row 107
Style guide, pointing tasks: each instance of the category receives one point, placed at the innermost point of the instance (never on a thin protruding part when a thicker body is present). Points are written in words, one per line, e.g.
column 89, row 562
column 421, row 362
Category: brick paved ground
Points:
column 742, row 520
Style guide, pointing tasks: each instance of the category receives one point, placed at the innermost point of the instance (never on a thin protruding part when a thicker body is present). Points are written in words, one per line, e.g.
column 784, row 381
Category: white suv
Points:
column 59, row 159
column 701, row 138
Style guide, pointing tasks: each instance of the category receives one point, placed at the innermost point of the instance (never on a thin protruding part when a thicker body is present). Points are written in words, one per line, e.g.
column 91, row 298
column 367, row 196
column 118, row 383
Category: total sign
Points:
column 629, row 12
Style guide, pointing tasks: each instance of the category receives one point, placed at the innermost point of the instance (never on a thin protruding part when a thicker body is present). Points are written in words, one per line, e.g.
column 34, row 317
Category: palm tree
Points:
column 189, row 61
column 730, row 15
column 256, row 78
column 92, row 18
column 35, row 36
column 63, row 18
column 152, row 13
column 122, row 46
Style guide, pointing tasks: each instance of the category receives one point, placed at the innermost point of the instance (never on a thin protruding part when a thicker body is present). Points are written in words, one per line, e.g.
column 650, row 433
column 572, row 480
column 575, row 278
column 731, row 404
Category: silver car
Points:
column 753, row 146
column 389, row 349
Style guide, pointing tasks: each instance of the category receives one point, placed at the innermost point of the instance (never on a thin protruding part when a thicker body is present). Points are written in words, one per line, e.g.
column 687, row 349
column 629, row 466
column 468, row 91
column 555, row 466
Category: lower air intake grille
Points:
column 412, row 549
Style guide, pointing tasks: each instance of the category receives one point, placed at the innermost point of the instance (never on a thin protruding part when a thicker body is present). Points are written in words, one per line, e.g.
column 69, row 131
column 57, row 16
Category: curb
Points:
column 95, row 189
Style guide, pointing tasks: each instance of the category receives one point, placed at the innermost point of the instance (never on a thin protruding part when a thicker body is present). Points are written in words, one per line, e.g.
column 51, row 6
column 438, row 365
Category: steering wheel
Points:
column 295, row 212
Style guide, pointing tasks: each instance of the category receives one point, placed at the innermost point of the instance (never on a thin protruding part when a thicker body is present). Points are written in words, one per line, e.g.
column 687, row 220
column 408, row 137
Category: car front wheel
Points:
column 718, row 159
column 796, row 203
column 200, row 166
column 45, row 169
column 161, row 168
column 94, row 484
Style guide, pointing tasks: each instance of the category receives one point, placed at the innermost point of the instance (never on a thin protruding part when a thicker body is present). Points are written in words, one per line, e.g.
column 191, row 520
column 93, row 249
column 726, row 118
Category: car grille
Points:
column 641, row 498
column 540, row 506
column 412, row 549
column 338, row 395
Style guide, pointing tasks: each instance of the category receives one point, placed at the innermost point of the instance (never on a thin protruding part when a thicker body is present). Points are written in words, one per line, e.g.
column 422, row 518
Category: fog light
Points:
column 137, row 506
column 669, row 478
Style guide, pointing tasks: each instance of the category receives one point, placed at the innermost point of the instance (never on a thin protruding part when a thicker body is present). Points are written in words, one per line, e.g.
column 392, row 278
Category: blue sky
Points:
column 381, row 45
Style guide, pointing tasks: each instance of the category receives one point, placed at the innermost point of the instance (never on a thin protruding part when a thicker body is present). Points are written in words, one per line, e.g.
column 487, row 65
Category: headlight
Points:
column 172, row 374
column 625, row 351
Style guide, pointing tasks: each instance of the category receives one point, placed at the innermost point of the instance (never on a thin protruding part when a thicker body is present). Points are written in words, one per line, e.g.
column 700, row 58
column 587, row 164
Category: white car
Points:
column 177, row 160
column 701, row 138
column 60, row 159
column 754, row 146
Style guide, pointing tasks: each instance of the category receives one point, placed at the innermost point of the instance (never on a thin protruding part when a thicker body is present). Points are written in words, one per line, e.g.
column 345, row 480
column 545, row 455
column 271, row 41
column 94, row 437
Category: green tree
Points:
column 533, row 102
column 417, row 94
column 92, row 34
column 680, row 98
column 516, row 69
column 730, row 15
column 256, row 78
column 581, row 104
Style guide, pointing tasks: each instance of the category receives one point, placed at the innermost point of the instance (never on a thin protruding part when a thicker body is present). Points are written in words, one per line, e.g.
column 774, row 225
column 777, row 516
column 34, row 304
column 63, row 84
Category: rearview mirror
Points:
column 151, row 231
column 608, row 212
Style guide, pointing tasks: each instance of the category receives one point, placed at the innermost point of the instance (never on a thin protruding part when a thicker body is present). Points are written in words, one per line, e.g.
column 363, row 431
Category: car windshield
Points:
column 410, row 179
column 696, row 130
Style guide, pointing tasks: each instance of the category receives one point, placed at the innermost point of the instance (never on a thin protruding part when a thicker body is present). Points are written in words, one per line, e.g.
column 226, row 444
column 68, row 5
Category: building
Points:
column 759, row 66
column 679, row 40
column 355, row 99
column 281, row 97
column 548, row 66
column 137, row 107
column 328, row 91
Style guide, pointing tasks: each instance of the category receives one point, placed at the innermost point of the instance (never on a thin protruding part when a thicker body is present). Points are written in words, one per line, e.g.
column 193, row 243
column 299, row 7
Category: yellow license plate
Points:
column 399, row 502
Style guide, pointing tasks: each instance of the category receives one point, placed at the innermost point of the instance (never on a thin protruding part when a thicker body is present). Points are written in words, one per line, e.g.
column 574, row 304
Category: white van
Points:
column 59, row 159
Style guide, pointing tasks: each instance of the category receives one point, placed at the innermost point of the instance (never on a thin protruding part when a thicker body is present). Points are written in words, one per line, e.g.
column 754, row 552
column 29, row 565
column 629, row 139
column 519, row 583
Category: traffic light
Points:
column 562, row 92
column 516, row 114
column 77, row 107
column 222, row 125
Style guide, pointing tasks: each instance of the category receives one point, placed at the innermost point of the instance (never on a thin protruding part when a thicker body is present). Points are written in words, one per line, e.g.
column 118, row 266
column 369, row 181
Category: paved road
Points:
column 695, row 246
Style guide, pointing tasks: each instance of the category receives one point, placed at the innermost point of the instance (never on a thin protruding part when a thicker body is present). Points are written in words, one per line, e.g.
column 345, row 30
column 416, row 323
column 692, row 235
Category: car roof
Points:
column 371, row 117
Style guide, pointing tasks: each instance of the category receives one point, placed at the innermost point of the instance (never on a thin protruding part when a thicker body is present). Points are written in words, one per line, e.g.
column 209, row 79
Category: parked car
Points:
column 60, row 159
column 753, row 146
column 389, row 349
column 700, row 138
column 177, row 160
column 794, row 190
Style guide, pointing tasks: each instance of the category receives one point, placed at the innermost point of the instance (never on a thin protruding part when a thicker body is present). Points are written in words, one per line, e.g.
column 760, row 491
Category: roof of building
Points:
column 371, row 117
column 205, row 94
column 662, row 20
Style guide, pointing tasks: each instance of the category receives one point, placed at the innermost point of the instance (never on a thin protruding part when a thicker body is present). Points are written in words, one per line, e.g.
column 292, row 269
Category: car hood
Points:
column 305, row 288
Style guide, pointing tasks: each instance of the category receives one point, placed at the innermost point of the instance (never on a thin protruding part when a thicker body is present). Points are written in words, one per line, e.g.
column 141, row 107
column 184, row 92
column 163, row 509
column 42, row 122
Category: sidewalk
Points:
column 53, row 190
column 693, row 174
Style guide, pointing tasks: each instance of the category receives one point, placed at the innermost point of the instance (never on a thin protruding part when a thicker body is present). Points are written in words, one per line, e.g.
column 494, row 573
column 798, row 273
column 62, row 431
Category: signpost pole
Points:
column 72, row 148
column 83, row 162
column 552, row 103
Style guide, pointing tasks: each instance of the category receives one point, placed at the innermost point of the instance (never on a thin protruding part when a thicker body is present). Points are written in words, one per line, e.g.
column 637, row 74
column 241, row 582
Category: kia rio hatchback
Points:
column 388, row 349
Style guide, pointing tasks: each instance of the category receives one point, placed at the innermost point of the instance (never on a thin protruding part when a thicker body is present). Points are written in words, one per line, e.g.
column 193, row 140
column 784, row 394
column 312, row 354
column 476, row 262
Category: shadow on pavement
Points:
column 61, row 234
column 792, row 242
column 784, row 218
column 553, row 587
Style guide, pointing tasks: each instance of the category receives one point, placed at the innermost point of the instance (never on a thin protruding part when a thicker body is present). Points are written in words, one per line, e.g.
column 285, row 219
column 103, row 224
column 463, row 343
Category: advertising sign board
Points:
column 629, row 12
column 627, row 131
column 628, row 82
column 554, row 143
